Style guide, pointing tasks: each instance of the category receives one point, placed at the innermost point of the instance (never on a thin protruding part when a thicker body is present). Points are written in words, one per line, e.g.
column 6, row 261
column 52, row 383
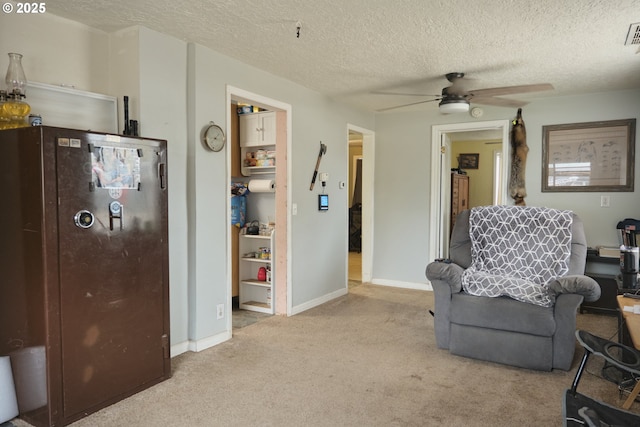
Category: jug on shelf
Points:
column 262, row 274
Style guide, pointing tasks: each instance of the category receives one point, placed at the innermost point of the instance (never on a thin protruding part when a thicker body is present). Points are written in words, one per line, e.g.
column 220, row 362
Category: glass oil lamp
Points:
column 15, row 110
column 4, row 118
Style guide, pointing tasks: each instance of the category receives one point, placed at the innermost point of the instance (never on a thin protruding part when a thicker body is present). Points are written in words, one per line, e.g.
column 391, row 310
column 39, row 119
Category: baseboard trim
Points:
column 178, row 349
column 199, row 345
column 318, row 301
column 406, row 285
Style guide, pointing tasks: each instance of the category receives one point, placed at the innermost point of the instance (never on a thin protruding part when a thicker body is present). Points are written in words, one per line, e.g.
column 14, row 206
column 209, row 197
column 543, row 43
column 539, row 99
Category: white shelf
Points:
column 255, row 282
column 264, row 261
column 256, row 295
column 257, row 306
column 259, row 170
column 255, row 236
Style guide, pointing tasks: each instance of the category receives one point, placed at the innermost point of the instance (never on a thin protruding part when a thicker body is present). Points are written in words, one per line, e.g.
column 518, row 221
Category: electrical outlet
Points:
column 324, row 177
column 220, row 312
column 605, row 202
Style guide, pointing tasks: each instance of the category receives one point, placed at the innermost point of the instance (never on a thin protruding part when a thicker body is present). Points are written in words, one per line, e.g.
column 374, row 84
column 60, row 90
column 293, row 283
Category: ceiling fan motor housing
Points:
column 453, row 103
column 454, row 76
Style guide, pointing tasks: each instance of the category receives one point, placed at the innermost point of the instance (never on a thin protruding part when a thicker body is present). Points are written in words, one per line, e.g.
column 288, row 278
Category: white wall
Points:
column 403, row 141
column 162, row 114
column 56, row 51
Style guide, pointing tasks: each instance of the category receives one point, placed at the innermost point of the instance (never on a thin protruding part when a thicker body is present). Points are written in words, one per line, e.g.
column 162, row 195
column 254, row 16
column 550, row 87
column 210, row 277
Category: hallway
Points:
column 355, row 267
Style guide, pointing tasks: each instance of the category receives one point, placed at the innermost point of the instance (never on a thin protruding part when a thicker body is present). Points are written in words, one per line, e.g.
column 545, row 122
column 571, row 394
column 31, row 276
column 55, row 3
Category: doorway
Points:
column 355, row 209
column 485, row 173
column 441, row 150
column 277, row 290
column 360, row 204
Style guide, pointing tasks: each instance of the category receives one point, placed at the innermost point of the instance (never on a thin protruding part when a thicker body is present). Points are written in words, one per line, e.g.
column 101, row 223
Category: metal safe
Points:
column 84, row 284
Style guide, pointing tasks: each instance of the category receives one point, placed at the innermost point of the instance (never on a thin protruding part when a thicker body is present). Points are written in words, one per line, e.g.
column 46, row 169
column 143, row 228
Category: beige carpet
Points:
column 365, row 359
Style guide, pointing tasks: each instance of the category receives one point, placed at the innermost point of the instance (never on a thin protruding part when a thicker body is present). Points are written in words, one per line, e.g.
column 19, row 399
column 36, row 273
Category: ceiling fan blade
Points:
column 379, row 92
column 406, row 105
column 508, row 90
column 498, row 102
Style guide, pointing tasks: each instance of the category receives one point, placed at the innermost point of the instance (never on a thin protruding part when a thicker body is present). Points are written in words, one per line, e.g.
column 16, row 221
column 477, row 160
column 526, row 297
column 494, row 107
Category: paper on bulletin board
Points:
column 115, row 167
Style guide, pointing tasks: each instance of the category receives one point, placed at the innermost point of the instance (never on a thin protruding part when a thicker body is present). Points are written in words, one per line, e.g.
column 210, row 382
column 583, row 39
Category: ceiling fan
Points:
column 456, row 99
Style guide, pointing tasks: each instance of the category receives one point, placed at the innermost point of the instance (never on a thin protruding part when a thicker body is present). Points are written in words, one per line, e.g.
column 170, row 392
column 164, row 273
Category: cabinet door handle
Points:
column 161, row 175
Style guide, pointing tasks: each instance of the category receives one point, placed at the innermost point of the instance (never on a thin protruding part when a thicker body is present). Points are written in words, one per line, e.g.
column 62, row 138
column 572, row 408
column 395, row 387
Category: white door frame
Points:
column 234, row 93
column 368, row 162
column 437, row 247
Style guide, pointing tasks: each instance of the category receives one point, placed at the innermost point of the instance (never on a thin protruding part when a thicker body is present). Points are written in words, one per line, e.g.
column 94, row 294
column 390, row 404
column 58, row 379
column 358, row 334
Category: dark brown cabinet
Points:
column 84, row 296
column 459, row 195
column 609, row 290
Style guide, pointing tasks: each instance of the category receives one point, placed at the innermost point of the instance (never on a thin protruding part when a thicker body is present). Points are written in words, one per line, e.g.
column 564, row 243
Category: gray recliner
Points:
column 502, row 329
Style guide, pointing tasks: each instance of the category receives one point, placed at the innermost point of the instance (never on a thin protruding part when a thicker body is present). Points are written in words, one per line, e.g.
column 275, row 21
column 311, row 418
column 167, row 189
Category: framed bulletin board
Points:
column 594, row 156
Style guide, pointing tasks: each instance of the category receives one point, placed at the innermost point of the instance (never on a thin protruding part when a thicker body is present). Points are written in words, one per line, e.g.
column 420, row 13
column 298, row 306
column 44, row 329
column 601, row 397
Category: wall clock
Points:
column 213, row 137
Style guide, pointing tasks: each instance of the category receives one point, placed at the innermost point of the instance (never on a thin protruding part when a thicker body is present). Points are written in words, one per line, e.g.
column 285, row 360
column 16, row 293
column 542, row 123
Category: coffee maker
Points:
column 629, row 252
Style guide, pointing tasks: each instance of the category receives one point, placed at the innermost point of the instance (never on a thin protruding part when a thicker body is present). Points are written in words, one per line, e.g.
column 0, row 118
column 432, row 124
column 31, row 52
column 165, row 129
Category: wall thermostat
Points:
column 323, row 202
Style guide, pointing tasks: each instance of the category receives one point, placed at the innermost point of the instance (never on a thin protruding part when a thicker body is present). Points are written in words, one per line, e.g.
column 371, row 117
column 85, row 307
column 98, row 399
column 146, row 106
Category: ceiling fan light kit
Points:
column 454, row 106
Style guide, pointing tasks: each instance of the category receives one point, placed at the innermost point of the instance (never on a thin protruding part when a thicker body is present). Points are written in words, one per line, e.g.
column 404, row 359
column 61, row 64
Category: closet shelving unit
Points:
column 256, row 295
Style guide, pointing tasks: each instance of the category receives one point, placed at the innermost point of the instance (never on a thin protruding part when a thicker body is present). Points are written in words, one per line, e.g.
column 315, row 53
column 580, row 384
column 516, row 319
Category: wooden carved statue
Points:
column 519, row 150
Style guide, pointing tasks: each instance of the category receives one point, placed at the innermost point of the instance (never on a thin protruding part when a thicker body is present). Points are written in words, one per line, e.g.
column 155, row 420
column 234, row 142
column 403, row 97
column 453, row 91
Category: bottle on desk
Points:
column 629, row 266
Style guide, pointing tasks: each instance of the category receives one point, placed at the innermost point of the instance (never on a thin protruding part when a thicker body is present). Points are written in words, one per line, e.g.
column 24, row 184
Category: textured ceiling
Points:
column 349, row 48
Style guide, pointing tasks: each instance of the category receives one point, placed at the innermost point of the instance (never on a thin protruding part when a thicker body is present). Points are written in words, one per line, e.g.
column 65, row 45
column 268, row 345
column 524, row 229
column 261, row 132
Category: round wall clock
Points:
column 213, row 137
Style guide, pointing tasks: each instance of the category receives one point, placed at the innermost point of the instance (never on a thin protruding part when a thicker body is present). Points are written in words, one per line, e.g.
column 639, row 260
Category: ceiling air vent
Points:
column 633, row 36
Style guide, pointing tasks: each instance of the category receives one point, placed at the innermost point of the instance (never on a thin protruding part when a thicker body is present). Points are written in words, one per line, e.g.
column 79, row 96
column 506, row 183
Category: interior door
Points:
column 113, row 285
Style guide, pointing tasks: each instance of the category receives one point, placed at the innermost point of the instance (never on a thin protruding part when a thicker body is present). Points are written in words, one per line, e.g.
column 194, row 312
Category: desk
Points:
column 632, row 322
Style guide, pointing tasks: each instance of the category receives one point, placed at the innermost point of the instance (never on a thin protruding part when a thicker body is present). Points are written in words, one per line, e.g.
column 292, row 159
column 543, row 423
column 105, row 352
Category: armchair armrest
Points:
column 564, row 344
column 576, row 284
column 449, row 273
column 445, row 277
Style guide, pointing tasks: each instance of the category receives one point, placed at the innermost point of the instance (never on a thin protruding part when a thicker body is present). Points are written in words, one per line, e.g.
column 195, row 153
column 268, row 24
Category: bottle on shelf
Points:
column 262, row 274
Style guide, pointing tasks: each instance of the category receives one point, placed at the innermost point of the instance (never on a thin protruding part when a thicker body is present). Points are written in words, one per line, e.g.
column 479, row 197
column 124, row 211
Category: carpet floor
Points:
column 243, row 318
column 365, row 359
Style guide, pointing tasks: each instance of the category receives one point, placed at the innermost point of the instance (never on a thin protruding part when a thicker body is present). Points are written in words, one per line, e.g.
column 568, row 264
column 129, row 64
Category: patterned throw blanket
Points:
column 517, row 251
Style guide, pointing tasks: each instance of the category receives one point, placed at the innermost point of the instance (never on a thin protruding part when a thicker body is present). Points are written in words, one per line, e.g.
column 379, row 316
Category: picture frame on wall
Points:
column 468, row 160
column 589, row 157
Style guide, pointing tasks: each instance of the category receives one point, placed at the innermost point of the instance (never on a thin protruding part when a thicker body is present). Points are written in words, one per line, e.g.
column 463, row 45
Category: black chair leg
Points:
column 583, row 363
